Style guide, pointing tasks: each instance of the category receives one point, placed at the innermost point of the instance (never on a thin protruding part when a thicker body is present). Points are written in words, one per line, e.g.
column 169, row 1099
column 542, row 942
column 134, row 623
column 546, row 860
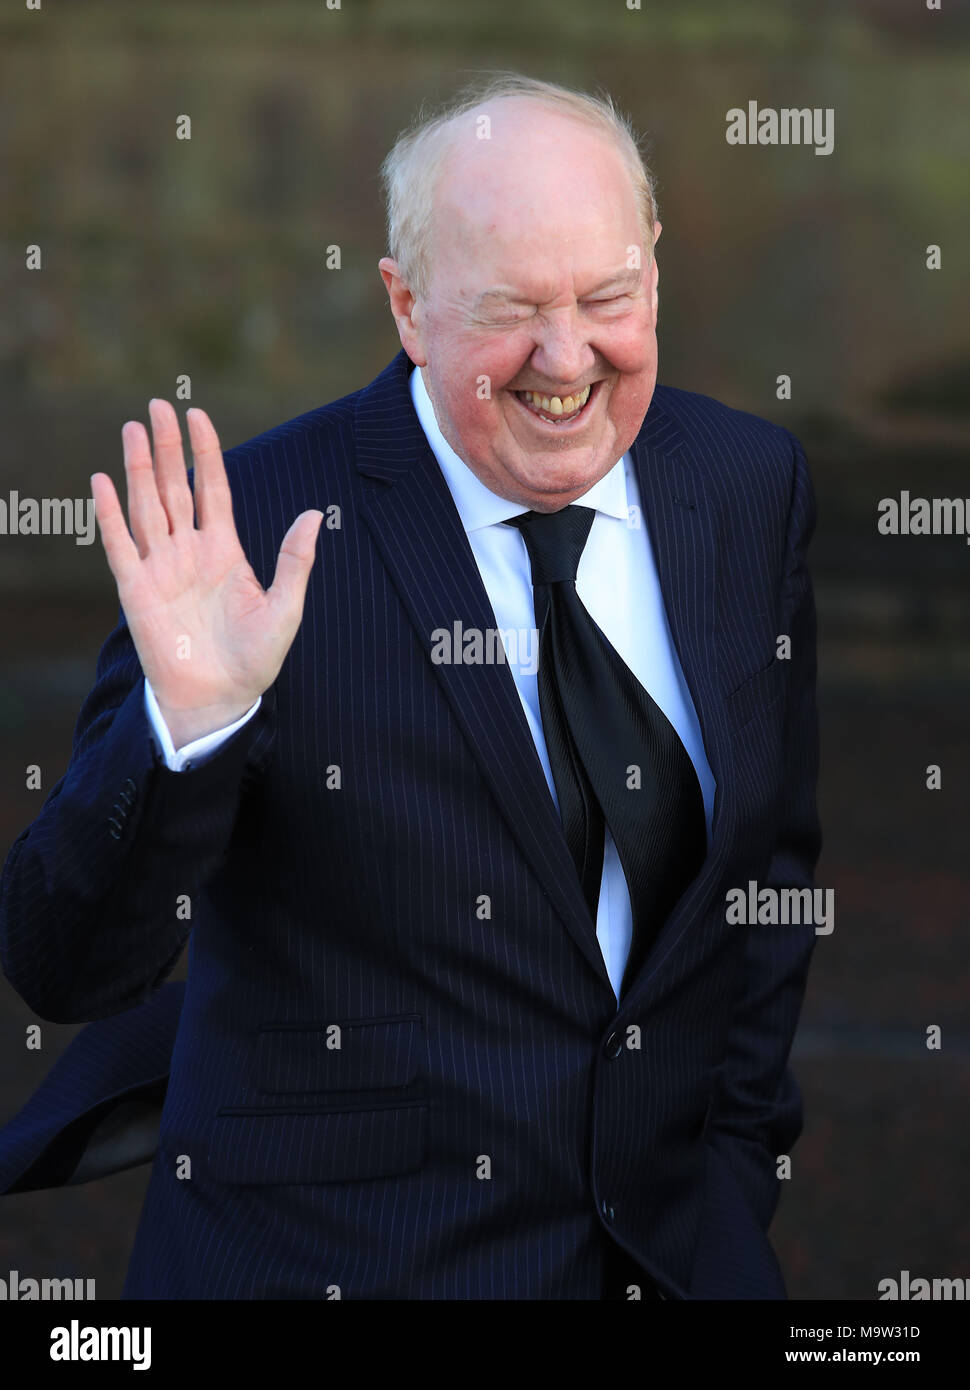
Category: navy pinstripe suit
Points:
column 488, row 1116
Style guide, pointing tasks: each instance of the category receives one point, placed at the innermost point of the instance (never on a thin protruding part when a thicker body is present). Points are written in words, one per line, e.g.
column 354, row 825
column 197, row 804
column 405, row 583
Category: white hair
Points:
column 410, row 172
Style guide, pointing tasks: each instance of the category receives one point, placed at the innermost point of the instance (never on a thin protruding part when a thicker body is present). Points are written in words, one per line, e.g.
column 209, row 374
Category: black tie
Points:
column 602, row 731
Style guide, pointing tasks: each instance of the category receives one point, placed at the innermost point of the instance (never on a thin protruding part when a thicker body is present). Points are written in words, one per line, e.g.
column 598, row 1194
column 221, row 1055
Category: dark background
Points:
column 208, row 257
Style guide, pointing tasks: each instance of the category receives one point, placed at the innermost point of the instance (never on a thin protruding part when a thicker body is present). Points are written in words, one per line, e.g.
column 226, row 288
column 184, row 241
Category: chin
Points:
column 559, row 475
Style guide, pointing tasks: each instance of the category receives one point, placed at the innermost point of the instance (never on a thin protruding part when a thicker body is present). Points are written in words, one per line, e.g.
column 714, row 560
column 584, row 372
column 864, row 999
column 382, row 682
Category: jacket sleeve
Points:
column 199, row 748
column 757, row 1112
column 90, row 892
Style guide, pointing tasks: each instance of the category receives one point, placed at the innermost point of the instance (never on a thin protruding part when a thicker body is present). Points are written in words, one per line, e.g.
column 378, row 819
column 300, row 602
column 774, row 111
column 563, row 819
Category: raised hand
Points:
column 209, row 637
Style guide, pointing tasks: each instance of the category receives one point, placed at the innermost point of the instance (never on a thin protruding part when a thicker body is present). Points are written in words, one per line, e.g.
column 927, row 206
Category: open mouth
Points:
column 557, row 410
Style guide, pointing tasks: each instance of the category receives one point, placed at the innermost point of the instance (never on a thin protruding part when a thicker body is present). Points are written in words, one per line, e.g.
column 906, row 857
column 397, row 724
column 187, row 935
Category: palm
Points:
column 208, row 636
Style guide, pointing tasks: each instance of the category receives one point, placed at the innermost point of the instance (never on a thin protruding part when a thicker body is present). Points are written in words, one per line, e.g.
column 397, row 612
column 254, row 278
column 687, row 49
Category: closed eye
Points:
column 516, row 314
column 511, row 317
column 613, row 299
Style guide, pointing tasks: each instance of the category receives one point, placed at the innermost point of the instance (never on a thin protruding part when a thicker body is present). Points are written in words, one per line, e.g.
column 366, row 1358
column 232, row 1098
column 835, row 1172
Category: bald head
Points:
column 533, row 173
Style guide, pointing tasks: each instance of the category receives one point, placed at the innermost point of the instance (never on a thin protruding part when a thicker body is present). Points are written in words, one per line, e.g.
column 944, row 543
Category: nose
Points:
column 562, row 354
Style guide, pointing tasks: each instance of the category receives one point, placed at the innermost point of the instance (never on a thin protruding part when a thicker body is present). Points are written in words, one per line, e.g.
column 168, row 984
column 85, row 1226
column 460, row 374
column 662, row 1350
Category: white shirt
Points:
column 618, row 584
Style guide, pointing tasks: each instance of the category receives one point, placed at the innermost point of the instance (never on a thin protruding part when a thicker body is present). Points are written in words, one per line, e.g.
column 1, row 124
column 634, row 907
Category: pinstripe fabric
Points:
column 485, row 1118
column 59, row 1137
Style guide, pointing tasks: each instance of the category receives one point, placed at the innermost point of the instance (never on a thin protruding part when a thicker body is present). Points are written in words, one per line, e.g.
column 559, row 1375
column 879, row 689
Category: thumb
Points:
column 294, row 563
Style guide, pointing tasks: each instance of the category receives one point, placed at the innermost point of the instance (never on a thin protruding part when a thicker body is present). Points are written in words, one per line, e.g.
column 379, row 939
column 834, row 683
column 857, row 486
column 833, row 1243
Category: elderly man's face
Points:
column 537, row 336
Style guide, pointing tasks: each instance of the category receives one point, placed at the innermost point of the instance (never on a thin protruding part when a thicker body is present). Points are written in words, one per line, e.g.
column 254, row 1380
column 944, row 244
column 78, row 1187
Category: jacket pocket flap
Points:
column 756, row 693
column 348, row 1055
column 317, row 1146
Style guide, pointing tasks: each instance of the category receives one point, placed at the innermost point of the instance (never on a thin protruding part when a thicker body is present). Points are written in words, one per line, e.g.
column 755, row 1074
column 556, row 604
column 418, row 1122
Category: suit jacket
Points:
column 398, row 1068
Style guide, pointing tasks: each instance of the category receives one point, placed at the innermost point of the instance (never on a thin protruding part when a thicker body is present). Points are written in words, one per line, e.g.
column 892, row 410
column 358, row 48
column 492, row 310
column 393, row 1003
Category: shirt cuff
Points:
column 181, row 759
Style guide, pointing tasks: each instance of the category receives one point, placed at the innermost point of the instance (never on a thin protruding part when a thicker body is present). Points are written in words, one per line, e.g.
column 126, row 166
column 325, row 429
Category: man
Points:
column 465, row 1016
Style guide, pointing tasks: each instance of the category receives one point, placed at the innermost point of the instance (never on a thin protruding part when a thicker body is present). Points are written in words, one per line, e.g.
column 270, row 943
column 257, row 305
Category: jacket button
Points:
column 614, row 1046
column 608, row 1210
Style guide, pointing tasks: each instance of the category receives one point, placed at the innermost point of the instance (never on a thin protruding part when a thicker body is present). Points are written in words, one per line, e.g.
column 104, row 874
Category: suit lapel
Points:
column 681, row 524
column 410, row 512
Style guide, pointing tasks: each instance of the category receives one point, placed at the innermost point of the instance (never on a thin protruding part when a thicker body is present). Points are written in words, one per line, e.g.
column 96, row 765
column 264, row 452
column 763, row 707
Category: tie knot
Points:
column 555, row 541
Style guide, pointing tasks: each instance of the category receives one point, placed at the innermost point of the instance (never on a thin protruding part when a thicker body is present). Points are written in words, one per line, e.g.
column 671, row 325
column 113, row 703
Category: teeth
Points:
column 558, row 405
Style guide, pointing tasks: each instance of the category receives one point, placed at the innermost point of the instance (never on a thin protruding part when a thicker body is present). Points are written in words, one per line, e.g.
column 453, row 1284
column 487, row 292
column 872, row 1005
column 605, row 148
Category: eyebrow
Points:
column 501, row 295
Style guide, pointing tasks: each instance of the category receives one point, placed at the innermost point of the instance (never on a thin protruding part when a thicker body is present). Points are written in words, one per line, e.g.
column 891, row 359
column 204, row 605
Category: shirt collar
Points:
column 477, row 505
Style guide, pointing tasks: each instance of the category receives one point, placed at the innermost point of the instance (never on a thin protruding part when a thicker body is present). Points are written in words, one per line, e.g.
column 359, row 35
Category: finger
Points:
column 119, row 548
column 213, row 500
column 293, row 565
column 170, row 475
column 149, row 523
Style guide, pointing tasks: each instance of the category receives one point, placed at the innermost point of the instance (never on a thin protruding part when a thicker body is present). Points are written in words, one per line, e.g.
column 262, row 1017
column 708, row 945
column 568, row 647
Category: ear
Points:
column 654, row 271
column 403, row 307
